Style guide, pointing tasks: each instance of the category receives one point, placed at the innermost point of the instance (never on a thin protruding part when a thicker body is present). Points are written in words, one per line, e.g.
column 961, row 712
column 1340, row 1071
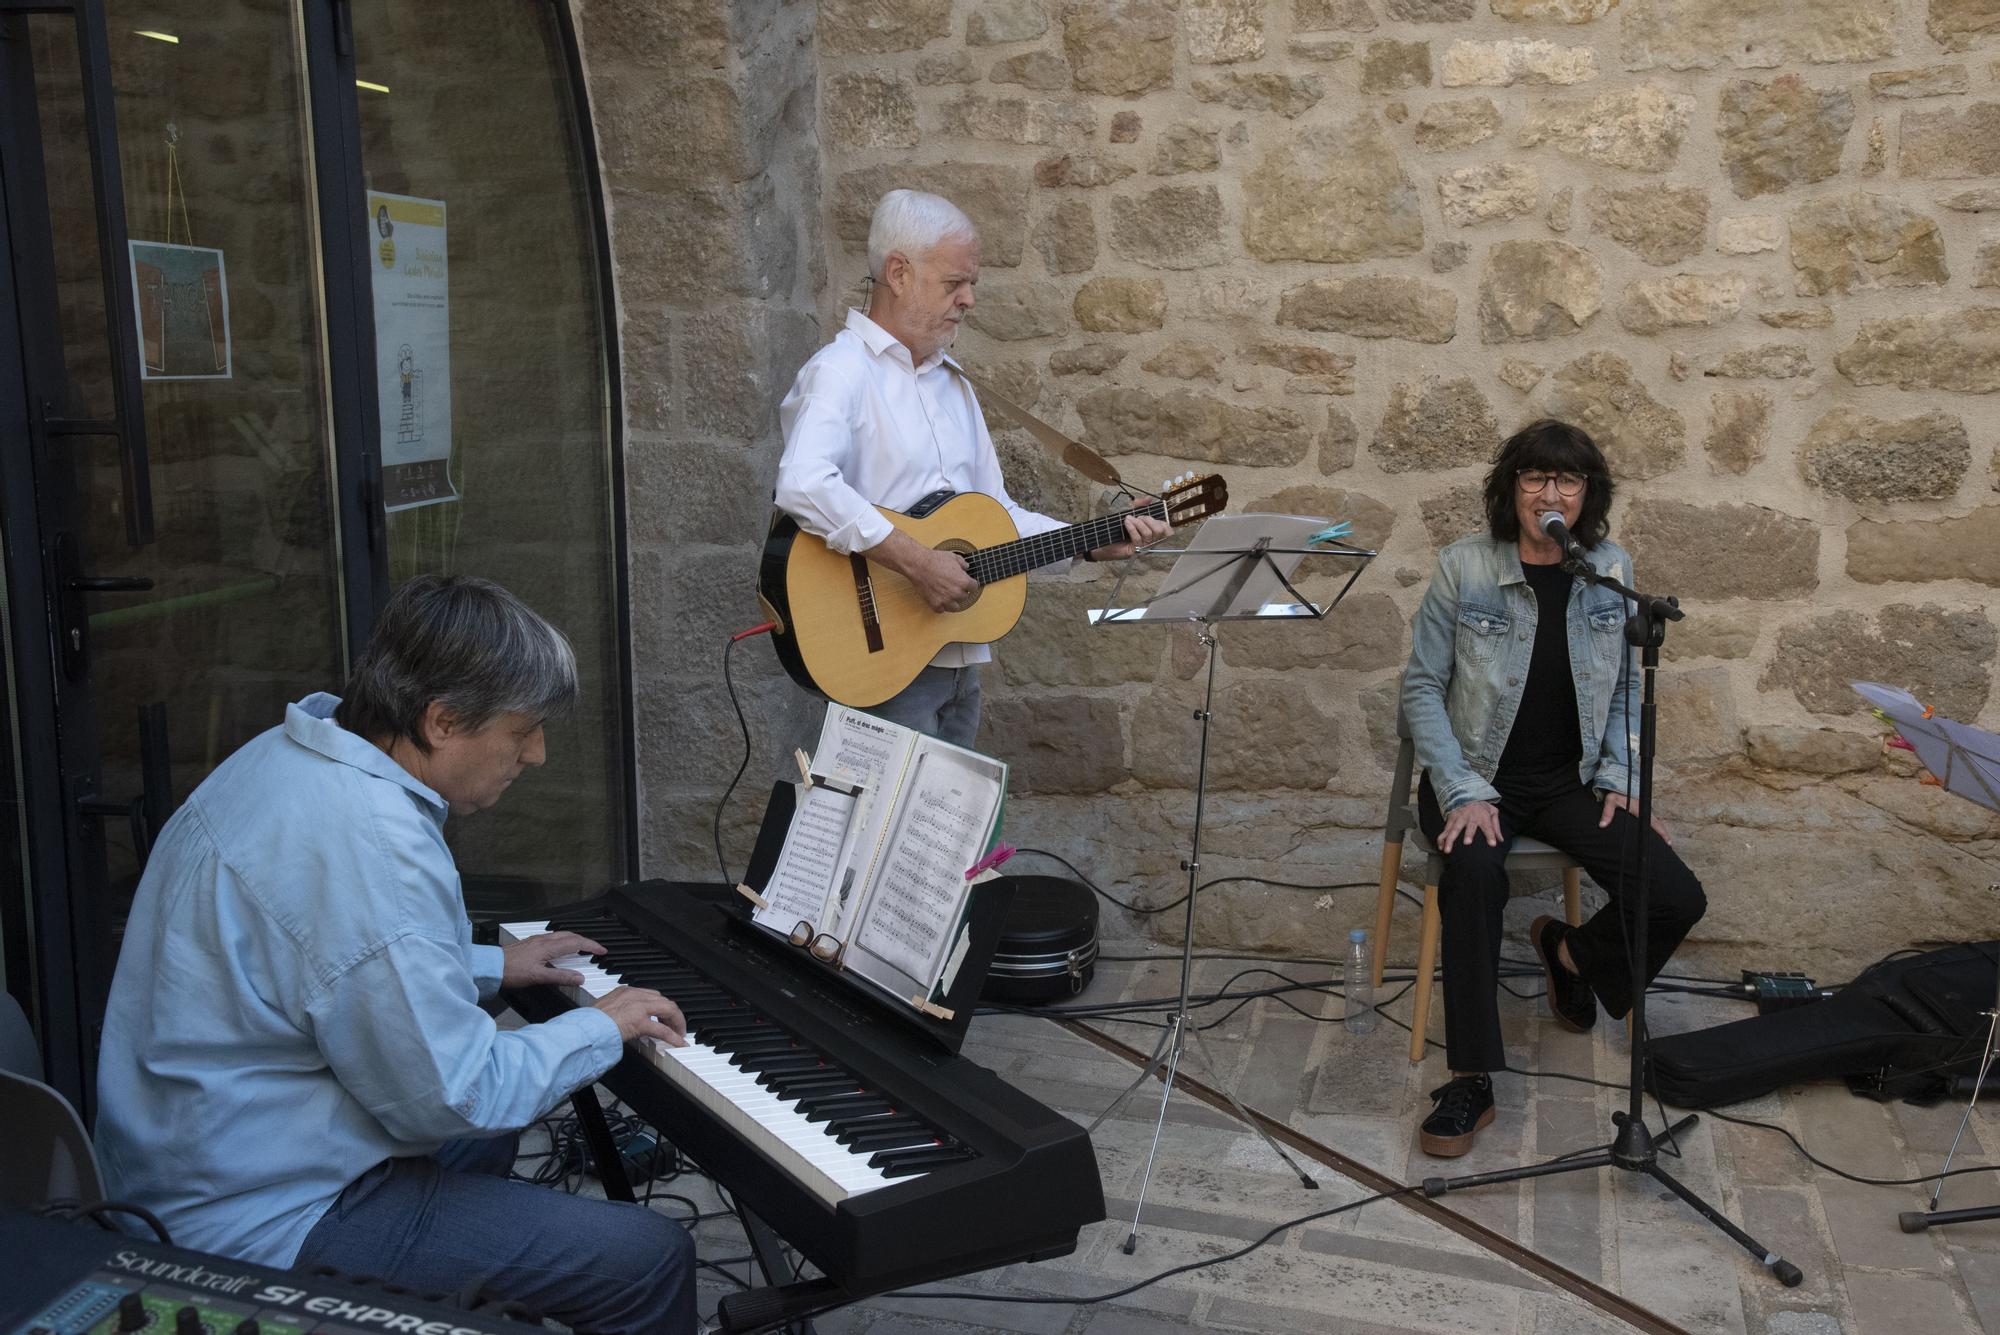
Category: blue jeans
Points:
column 453, row 1219
column 942, row 702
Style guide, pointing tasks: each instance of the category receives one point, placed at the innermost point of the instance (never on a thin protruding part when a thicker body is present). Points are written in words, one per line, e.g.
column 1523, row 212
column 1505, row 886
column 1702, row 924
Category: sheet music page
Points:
column 858, row 750
column 816, row 852
column 944, row 819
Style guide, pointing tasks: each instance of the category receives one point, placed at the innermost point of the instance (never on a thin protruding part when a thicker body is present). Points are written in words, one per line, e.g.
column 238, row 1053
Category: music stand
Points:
column 1229, row 573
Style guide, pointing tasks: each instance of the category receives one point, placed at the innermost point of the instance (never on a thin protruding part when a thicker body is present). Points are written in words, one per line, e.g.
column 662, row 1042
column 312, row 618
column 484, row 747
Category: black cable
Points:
column 1052, row 1300
column 95, row 1211
column 1841, row 1172
column 742, row 724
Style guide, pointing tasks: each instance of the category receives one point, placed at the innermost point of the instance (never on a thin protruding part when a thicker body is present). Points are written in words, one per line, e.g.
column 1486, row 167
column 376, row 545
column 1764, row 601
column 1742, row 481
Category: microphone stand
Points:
column 1634, row 1149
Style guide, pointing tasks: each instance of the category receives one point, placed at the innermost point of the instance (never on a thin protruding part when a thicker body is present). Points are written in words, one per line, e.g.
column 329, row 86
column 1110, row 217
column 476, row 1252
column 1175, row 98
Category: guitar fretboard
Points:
column 1018, row 557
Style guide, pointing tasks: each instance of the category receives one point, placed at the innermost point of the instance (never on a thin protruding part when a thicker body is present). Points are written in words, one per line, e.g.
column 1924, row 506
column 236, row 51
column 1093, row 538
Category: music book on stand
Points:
column 872, row 871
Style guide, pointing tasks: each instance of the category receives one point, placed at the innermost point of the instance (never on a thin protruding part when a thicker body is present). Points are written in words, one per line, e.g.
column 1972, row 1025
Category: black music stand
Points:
column 1634, row 1149
column 1208, row 585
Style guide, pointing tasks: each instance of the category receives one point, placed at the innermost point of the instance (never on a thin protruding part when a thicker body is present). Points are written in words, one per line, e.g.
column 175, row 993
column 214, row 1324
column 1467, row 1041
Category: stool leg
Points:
column 1427, row 948
column 1573, row 896
column 1385, row 902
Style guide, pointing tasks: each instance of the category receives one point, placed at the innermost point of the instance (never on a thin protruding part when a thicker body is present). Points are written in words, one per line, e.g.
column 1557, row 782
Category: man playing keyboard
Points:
column 296, row 1069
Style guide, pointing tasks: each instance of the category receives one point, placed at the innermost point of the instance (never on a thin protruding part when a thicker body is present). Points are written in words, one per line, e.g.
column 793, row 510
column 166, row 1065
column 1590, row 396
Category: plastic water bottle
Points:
column 1360, row 987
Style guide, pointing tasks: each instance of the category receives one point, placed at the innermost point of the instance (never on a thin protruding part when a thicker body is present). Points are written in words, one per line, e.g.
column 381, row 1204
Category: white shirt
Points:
column 864, row 426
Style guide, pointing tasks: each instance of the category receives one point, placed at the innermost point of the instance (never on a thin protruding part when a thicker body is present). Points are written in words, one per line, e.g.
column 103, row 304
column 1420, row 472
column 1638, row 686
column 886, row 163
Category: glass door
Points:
column 171, row 376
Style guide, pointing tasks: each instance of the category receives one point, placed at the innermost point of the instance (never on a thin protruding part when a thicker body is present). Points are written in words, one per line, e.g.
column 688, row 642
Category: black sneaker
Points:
column 1570, row 998
column 1464, row 1106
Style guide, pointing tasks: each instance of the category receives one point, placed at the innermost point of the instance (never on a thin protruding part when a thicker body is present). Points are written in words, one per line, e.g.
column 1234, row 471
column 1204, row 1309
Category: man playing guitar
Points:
column 878, row 417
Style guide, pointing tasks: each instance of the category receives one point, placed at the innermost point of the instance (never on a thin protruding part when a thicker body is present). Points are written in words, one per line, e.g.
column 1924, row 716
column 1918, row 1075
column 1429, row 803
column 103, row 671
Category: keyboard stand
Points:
column 764, row 1306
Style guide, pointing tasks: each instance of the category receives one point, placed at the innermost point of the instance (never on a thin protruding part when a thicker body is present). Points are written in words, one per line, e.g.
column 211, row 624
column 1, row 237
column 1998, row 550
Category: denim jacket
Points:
column 1470, row 647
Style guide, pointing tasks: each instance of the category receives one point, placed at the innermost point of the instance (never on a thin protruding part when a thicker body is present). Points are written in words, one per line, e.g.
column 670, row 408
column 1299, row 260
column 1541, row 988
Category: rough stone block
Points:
column 869, row 111
column 1332, row 16
column 1372, row 307
column 1640, row 436
column 744, row 356
column 1661, row 224
column 876, row 27
column 1184, row 425
column 1056, row 645
column 1505, row 63
column 1085, row 171
column 1187, row 361
column 1449, row 125
column 1337, row 442
column 1453, row 514
column 1017, row 120
column 1636, row 129
column 1222, row 32
column 1867, row 459
column 1169, row 227
column 1921, row 550
column 1722, row 551
column 1956, row 349
column 1367, row 633
column 1040, row 70
column 1756, row 34
column 993, row 196
column 1958, row 24
column 1332, row 193
column 1952, row 142
column 1783, row 133
column 1389, row 66
column 687, row 248
column 1929, row 81
column 998, row 21
column 1288, row 95
column 1941, row 656
column 1856, row 242
column 1089, row 359
column 1265, row 734
column 1766, row 361
column 1066, row 237
column 1055, row 744
column 1739, row 429
column 1749, row 234
column 1186, row 148
column 1684, row 301
column 1537, row 289
column 947, row 67
column 1435, row 424
column 1119, row 46
column 1811, row 750
column 1121, row 305
column 1562, row 11
column 1488, row 192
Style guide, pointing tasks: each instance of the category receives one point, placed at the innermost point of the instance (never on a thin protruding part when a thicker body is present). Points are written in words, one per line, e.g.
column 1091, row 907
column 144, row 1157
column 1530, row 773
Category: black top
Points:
column 1540, row 759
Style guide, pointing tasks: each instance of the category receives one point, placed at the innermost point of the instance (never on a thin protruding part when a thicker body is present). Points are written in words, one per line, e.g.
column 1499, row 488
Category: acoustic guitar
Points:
column 858, row 632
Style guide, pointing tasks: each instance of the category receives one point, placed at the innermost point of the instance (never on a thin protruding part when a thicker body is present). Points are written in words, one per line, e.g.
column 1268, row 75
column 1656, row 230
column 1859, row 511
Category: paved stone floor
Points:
column 1384, row 1267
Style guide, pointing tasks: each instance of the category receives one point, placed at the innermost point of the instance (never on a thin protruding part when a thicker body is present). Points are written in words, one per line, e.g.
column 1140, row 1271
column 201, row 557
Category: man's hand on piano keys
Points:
column 641, row 1012
column 528, row 961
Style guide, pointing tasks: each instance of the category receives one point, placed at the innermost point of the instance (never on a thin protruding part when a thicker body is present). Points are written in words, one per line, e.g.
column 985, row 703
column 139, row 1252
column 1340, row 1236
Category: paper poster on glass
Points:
column 181, row 295
column 412, row 349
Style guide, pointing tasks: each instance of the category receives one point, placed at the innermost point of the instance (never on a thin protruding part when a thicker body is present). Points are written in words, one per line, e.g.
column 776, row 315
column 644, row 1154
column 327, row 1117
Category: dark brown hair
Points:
column 1550, row 446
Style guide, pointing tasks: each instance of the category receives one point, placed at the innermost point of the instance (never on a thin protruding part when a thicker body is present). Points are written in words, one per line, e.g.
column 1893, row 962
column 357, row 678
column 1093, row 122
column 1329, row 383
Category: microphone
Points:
column 1558, row 533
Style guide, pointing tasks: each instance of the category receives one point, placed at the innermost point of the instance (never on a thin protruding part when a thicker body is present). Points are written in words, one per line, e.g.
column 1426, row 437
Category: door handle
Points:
column 146, row 813
column 133, row 811
column 108, row 583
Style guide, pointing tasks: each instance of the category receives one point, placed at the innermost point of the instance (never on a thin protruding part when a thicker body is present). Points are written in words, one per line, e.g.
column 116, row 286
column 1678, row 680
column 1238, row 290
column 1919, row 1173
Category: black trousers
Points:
column 1472, row 896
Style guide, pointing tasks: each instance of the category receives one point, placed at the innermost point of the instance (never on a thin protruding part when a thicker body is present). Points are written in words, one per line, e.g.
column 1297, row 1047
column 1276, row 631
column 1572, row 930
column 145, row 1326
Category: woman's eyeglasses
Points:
column 825, row 947
column 1567, row 484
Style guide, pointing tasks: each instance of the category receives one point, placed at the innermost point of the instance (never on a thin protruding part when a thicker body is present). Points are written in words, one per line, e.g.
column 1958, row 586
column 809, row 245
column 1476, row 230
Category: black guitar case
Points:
column 1903, row 1029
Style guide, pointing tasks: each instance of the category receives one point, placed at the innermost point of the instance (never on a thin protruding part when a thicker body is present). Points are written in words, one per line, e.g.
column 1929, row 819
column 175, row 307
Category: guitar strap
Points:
column 1074, row 453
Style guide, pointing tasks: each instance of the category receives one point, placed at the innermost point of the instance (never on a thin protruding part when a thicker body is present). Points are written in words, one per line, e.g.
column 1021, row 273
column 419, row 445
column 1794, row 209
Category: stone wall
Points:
column 1336, row 250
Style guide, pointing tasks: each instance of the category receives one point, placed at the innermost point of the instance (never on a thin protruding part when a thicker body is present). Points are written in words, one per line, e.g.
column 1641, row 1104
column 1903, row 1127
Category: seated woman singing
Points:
column 1522, row 699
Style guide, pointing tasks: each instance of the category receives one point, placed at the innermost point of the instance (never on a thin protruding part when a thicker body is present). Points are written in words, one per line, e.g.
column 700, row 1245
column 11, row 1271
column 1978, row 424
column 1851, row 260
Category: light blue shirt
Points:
column 297, row 998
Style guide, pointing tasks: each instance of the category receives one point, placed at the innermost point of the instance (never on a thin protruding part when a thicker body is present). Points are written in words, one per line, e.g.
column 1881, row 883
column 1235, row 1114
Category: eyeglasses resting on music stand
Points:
column 1235, row 569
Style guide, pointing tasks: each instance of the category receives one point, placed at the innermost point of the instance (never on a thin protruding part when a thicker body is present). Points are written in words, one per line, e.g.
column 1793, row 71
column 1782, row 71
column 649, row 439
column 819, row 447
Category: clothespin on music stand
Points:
column 989, row 866
column 752, row 896
column 805, row 766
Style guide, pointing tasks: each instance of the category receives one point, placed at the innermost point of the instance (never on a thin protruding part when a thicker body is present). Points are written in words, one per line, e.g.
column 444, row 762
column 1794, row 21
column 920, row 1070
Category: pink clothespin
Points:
column 1898, row 743
column 1000, row 853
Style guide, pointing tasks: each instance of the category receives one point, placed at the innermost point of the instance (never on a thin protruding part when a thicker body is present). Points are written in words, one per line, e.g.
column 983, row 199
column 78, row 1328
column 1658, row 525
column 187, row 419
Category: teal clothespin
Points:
column 1331, row 533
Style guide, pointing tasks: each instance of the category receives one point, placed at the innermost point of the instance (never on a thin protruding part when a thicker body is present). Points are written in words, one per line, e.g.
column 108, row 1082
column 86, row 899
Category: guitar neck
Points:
column 1018, row 557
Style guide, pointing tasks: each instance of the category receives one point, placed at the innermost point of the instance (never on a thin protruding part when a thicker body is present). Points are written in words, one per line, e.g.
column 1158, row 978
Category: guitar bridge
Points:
column 864, row 594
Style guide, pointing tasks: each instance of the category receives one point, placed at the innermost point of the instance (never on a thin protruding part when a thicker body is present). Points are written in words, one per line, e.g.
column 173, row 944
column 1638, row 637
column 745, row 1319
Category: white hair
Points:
column 911, row 223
